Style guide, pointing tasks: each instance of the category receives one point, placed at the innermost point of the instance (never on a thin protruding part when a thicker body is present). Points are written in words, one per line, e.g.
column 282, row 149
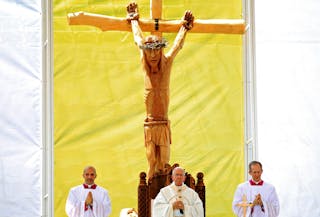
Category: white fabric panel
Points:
column 20, row 108
column 288, row 105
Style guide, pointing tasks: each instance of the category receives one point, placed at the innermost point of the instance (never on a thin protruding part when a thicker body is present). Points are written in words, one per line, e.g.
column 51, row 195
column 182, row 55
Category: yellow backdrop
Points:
column 99, row 109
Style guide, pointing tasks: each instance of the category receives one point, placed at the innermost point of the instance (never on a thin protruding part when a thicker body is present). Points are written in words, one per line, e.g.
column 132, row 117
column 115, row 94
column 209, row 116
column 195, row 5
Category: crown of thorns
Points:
column 155, row 44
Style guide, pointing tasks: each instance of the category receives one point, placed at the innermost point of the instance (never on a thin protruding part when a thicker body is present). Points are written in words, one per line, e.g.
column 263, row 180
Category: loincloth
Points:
column 157, row 132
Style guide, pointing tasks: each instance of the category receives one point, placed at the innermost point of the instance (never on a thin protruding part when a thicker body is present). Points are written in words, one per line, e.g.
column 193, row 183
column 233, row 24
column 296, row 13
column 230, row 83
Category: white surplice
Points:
column 162, row 205
column 75, row 205
column 268, row 195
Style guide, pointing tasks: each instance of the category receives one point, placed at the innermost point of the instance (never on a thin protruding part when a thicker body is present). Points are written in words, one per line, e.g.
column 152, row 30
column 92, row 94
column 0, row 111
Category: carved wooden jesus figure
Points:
column 157, row 68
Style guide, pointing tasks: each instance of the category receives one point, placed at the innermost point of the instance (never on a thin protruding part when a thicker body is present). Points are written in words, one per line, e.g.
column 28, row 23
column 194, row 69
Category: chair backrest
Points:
column 149, row 190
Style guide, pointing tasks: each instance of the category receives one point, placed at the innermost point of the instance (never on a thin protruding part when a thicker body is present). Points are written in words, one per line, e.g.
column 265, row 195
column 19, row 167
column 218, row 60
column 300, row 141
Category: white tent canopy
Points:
column 21, row 108
column 288, row 106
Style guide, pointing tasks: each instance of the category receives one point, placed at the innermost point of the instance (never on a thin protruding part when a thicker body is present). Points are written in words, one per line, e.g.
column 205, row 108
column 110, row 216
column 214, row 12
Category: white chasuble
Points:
column 162, row 205
column 269, row 198
column 75, row 205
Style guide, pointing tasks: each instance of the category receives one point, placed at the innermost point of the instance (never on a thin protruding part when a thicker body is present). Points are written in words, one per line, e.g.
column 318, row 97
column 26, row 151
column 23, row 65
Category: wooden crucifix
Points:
column 244, row 204
column 156, row 65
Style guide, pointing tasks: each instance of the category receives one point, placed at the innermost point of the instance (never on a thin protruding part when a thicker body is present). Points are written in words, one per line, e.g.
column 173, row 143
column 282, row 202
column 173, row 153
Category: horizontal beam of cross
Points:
column 110, row 23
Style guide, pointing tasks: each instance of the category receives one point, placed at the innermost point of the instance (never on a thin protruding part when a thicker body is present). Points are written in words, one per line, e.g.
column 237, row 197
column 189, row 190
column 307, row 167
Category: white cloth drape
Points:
column 288, row 105
column 20, row 108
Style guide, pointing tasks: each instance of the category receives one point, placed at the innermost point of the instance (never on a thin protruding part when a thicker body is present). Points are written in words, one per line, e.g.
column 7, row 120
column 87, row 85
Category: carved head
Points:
column 154, row 42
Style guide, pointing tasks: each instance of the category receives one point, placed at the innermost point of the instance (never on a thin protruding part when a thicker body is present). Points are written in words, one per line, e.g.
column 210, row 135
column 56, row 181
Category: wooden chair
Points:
column 149, row 190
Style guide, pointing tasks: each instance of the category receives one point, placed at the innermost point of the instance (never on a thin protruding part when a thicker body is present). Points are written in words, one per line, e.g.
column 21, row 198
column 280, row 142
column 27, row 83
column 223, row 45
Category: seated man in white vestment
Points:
column 88, row 199
column 177, row 199
column 256, row 198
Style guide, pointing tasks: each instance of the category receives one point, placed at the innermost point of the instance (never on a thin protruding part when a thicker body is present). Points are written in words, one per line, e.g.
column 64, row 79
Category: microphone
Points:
column 181, row 211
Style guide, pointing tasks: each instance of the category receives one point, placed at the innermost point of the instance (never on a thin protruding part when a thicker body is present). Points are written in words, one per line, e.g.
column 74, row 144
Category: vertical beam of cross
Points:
column 155, row 13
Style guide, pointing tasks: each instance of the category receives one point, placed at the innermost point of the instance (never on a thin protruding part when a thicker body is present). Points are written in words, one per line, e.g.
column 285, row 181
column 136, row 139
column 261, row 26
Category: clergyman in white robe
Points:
column 256, row 198
column 189, row 204
column 76, row 207
column 269, row 198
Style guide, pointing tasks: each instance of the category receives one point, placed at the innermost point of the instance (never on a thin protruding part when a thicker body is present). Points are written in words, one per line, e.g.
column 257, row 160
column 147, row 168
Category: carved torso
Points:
column 156, row 94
